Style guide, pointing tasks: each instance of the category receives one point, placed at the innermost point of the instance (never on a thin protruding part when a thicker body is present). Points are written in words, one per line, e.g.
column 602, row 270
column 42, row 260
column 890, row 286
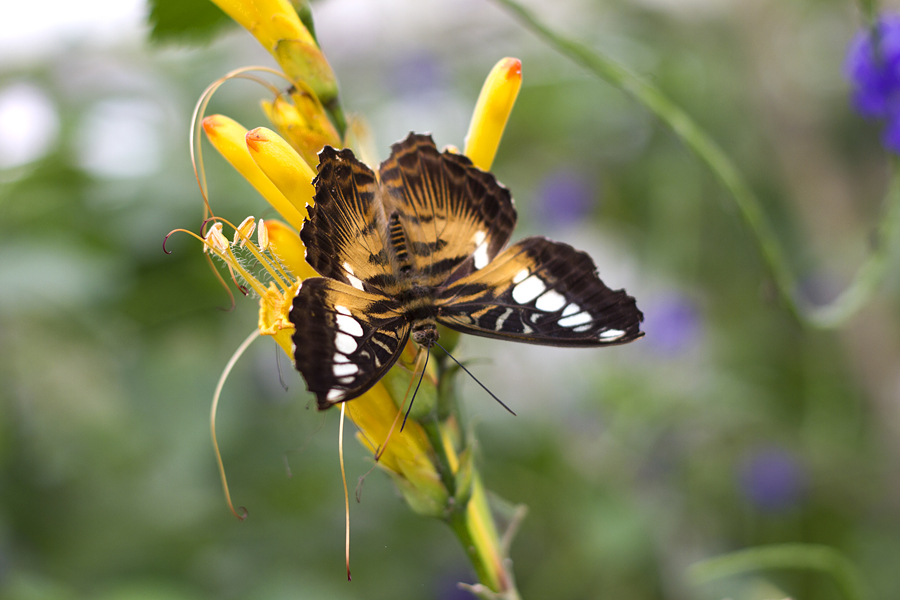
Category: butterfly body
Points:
column 422, row 243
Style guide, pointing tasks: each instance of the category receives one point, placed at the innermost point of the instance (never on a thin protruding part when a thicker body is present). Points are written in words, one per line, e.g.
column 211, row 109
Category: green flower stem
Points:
column 869, row 275
column 474, row 527
column 873, row 270
column 471, row 521
column 785, row 556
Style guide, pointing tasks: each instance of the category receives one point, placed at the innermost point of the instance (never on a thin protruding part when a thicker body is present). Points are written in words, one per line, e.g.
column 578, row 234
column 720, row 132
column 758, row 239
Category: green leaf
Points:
column 186, row 21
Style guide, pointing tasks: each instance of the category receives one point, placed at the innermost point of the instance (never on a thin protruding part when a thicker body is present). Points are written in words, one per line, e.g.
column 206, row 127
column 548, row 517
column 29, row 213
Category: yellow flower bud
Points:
column 283, row 166
column 492, row 112
column 229, row 138
column 276, row 25
column 303, row 123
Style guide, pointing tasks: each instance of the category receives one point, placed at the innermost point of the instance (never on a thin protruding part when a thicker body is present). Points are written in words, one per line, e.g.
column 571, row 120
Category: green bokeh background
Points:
column 729, row 426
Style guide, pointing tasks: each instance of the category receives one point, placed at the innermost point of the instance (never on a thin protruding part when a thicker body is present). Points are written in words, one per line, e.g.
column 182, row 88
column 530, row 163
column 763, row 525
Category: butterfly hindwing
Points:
column 456, row 218
column 541, row 292
column 345, row 340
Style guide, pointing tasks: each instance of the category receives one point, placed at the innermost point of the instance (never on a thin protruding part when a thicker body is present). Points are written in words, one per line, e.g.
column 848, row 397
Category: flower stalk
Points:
column 430, row 460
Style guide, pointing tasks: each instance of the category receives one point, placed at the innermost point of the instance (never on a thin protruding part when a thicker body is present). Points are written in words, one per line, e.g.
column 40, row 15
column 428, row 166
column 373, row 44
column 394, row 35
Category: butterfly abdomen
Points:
column 398, row 244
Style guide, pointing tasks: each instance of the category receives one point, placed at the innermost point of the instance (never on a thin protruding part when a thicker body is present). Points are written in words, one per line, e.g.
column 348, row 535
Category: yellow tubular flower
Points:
column 268, row 20
column 283, row 166
column 407, row 457
column 229, row 138
column 303, row 123
column 492, row 112
column 278, row 28
column 287, row 246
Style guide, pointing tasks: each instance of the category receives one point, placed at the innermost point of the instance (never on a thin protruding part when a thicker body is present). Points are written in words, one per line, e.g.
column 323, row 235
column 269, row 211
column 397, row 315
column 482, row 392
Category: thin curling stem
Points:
column 212, row 418
column 346, row 493
column 870, row 274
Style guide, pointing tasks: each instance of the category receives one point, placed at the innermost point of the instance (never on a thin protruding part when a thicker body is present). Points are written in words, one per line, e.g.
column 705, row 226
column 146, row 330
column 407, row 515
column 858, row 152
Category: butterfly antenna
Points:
column 461, row 366
column 417, row 389
column 346, row 495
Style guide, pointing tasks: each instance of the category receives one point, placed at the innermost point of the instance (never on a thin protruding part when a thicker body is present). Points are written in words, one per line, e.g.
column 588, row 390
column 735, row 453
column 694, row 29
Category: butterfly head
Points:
column 425, row 333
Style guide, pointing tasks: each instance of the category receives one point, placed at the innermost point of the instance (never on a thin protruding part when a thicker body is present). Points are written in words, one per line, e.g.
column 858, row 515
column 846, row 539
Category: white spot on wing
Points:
column 340, row 358
column 582, row 328
column 575, row 320
column 480, row 257
column 334, row 395
column 348, row 325
column 502, row 319
column 611, row 334
column 550, row 301
column 571, row 310
column 528, row 290
column 341, row 369
column 346, row 380
column 520, row 276
column 344, row 343
column 351, row 277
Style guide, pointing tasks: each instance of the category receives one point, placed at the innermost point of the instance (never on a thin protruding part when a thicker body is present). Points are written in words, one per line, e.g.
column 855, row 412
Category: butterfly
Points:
column 422, row 243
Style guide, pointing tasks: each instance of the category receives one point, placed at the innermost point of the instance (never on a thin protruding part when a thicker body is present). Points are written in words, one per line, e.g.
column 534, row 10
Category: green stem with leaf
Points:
column 784, row 556
column 868, row 277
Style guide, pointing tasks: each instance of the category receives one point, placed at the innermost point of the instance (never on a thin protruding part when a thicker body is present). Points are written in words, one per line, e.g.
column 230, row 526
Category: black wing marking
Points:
column 344, row 233
column 456, row 217
column 541, row 292
column 345, row 340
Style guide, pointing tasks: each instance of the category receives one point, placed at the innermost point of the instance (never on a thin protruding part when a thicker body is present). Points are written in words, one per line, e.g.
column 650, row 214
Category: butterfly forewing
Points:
column 455, row 217
column 541, row 292
column 344, row 235
column 346, row 339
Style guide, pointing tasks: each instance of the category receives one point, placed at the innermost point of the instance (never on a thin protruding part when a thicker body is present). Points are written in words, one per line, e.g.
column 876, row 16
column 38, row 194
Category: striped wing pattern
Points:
column 540, row 292
column 456, row 217
column 346, row 338
column 422, row 243
column 344, row 233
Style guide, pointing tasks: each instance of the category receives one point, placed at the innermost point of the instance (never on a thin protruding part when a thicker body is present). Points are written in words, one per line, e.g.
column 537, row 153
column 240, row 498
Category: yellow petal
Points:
column 268, row 20
column 283, row 166
column 492, row 112
column 287, row 246
column 374, row 413
column 303, row 124
column 229, row 138
column 274, row 309
column 279, row 29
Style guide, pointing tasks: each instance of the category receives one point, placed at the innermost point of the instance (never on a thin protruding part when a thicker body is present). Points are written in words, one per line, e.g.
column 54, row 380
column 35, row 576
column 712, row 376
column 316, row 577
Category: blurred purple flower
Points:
column 772, row 479
column 564, row 197
column 417, row 75
column 873, row 67
column 672, row 324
